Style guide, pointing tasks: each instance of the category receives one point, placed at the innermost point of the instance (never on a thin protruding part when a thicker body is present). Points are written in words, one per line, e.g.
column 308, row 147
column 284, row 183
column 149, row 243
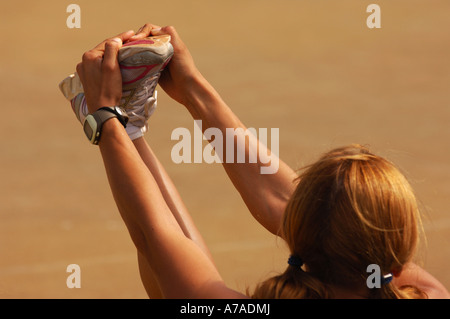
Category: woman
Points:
column 345, row 212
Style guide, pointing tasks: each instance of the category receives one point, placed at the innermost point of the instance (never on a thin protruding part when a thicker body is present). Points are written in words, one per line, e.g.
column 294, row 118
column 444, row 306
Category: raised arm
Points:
column 265, row 195
column 176, row 206
column 180, row 266
column 182, row 269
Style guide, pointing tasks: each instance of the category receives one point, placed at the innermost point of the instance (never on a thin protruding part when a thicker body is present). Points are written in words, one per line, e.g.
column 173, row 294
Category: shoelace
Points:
column 139, row 106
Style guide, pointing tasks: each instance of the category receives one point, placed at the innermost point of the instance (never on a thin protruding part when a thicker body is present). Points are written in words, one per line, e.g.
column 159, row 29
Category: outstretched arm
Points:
column 265, row 195
column 176, row 206
column 181, row 267
column 170, row 193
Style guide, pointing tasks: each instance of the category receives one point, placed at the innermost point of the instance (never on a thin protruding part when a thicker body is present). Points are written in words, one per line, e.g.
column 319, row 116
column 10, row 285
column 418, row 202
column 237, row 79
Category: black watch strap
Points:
column 93, row 124
column 101, row 116
column 121, row 115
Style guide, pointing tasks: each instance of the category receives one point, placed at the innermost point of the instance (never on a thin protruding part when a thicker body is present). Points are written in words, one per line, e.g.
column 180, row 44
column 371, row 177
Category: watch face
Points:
column 90, row 128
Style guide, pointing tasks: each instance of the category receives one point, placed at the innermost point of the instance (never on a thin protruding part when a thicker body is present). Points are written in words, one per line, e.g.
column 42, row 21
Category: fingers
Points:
column 80, row 71
column 175, row 39
column 144, row 31
column 124, row 36
column 105, row 59
column 165, row 30
column 89, row 58
column 151, row 29
column 110, row 56
column 105, row 53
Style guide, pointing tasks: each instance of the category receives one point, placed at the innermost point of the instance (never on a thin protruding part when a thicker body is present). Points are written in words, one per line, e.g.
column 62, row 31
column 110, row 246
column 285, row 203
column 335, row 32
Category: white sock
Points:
column 135, row 132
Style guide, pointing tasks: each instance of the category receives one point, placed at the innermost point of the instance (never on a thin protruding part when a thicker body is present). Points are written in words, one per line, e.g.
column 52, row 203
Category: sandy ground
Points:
column 311, row 68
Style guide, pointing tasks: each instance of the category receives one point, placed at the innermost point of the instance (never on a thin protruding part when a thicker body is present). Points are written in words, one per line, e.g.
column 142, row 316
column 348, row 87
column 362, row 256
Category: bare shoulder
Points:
column 413, row 274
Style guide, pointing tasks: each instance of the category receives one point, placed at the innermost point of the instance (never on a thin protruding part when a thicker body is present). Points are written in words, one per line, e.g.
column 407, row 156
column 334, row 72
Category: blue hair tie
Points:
column 295, row 261
column 387, row 279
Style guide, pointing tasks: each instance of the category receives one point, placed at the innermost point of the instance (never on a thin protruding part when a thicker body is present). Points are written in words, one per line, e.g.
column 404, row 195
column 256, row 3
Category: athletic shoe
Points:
column 141, row 63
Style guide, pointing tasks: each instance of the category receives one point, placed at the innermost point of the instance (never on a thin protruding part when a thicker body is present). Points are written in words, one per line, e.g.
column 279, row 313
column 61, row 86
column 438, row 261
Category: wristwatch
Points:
column 93, row 123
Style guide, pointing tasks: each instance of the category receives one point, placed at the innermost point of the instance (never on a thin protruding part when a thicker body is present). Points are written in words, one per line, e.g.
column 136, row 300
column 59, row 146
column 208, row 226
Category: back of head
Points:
column 350, row 209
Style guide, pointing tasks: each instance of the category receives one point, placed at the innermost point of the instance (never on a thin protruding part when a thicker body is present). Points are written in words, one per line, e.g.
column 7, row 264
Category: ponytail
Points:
column 294, row 283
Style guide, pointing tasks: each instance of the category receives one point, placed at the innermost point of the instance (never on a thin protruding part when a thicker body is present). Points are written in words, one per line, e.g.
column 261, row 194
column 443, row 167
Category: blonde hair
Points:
column 350, row 209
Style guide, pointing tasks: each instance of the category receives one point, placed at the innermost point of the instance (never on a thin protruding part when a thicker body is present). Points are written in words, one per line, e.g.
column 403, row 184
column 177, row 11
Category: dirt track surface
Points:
column 313, row 69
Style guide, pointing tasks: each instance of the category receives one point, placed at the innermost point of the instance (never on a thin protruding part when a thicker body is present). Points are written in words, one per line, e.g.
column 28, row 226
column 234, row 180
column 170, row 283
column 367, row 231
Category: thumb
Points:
column 111, row 50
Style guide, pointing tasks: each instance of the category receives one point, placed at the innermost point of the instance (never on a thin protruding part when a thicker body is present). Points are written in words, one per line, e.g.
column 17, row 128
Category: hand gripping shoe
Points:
column 141, row 63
